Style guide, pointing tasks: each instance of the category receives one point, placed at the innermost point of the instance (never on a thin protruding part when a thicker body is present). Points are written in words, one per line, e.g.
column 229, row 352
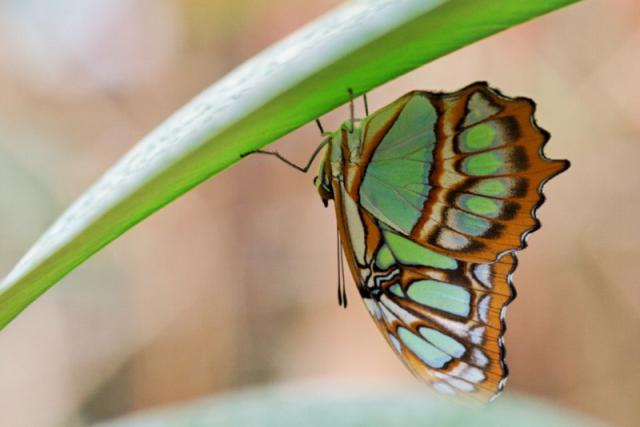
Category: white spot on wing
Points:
column 388, row 315
column 373, row 308
column 483, row 274
column 396, row 344
column 502, row 382
column 479, row 358
column 451, row 240
column 443, row 388
column 466, row 372
column 476, row 335
column 472, row 374
column 483, row 308
column 461, row 384
column 399, row 312
column 480, row 108
column 458, row 329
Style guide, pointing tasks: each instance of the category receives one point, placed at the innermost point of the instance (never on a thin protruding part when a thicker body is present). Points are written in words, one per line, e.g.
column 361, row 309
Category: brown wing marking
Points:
column 455, row 219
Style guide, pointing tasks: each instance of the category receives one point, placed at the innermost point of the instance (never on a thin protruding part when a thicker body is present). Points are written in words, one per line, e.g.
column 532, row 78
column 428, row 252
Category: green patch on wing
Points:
column 468, row 224
column 489, row 163
column 443, row 296
column 479, row 137
column 427, row 352
column 493, row 187
column 481, row 205
column 384, row 258
column 442, row 341
column 395, row 186
column 396, row 290
column 411, row 253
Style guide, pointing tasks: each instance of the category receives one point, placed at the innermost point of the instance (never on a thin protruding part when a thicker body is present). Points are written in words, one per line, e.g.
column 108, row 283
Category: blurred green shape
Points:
column 360, row 45
column 338, row 405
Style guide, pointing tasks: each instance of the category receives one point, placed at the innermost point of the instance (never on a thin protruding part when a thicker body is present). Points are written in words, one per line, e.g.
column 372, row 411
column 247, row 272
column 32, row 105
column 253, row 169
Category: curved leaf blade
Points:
column 359, row 45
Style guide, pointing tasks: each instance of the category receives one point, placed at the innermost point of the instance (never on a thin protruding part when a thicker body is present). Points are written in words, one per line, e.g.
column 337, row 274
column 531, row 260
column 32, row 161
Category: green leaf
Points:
column 343, row 405
column 360, row 45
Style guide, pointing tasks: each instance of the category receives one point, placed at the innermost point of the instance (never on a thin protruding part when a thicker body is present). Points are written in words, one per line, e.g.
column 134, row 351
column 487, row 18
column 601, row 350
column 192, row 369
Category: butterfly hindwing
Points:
column 443, row 317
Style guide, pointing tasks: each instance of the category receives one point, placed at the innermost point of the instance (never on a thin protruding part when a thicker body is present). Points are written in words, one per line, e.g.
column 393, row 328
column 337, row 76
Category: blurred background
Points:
column 234, row 284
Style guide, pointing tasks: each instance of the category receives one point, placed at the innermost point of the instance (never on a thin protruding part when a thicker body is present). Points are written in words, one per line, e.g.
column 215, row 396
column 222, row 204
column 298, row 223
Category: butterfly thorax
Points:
column 340, row 160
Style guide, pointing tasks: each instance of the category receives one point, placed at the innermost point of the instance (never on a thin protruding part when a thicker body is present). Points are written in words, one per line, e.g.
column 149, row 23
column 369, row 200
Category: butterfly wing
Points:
column 444, row 189
column 444, row 318
column 460, row 173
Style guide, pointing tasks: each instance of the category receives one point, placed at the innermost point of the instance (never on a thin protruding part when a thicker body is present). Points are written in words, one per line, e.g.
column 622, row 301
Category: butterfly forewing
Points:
column 433, row 193
column 460, row 173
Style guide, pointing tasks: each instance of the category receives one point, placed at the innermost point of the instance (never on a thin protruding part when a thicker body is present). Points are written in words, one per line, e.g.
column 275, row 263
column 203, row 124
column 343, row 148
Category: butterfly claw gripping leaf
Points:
column 433, row 194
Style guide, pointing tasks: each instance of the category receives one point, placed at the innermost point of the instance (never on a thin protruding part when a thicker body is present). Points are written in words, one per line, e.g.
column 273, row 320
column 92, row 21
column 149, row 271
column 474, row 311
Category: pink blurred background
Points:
column 233, row 285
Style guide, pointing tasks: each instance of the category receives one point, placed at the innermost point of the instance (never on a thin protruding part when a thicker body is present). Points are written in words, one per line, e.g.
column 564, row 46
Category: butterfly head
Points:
column 323, row 180
column 324, row 189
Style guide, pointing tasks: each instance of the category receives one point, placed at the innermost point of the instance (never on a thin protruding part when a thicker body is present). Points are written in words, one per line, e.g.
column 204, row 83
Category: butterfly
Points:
column 433, row 195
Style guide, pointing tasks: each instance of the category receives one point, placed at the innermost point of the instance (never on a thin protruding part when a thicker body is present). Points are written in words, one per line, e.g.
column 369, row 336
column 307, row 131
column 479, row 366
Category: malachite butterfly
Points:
column 433, row 195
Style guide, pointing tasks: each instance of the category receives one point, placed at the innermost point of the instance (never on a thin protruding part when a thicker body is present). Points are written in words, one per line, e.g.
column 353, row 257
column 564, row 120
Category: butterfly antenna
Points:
column 342, row 287
column 344, row 284
column 320, row 126
column 338, row 249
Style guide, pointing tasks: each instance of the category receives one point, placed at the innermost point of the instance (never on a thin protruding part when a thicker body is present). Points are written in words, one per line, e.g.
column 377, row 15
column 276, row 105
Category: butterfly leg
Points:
column 302, row 169
column 366, row 104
